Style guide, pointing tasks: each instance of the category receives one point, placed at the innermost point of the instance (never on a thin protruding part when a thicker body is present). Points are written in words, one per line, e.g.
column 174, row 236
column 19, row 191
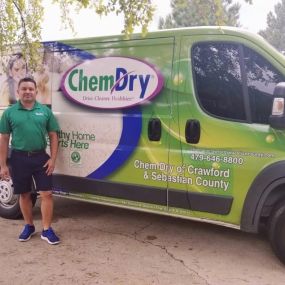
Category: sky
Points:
column 87, row 24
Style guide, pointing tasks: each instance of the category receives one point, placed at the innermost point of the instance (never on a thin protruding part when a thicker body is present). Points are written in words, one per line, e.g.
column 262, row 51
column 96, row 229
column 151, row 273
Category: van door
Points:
column 117, row 155
column 226, row 84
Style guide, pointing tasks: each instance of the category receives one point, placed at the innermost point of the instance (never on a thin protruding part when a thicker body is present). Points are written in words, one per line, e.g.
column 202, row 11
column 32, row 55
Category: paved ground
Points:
column 104, row 245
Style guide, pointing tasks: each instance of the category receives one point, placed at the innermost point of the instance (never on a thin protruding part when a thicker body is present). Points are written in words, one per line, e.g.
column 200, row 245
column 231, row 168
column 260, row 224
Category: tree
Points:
column 201, row 13
column 20, row 20
column 275, row 31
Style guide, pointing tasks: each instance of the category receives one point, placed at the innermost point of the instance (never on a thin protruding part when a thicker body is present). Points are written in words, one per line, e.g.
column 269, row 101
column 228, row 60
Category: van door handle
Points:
column 192, row 131
column 154, row 129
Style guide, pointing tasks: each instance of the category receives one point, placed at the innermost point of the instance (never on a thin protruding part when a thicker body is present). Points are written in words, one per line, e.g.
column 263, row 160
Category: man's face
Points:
column 27, row 92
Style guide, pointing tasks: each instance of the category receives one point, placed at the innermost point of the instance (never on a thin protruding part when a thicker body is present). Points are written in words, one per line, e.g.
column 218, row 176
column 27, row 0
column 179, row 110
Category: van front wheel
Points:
column 277, row 231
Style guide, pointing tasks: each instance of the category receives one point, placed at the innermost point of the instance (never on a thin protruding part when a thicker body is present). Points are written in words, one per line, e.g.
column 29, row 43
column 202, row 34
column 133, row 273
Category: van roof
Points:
column 173, row 33
column 198, row 30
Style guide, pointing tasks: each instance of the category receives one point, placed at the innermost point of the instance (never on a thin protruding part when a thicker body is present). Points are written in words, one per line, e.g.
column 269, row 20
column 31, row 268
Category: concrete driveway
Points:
column 105, row 245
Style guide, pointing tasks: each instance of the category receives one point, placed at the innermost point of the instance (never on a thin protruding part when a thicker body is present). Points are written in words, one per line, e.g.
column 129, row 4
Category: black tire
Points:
column 9, row 203
column 277, row 231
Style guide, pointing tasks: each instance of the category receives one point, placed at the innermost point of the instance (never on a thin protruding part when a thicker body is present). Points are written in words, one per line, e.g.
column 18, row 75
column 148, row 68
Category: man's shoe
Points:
column 27, row 233
column 50, row 236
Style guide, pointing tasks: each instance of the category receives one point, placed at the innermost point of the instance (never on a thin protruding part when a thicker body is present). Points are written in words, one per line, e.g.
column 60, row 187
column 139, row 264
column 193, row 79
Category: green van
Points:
column 186, row 122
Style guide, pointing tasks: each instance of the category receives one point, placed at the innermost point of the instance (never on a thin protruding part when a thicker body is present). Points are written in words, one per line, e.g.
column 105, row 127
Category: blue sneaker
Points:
column 50, row 236
column 27, row 233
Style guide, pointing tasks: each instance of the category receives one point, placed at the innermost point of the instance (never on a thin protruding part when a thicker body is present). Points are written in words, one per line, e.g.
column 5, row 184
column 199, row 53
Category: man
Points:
column 28, row 122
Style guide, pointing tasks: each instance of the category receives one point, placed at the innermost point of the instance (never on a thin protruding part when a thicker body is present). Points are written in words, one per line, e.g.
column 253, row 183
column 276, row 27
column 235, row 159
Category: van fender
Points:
column 264, row 184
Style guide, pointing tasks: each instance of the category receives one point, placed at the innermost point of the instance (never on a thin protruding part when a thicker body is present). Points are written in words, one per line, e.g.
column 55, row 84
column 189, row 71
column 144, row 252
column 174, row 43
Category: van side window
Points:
column 218, row 80
column 261, row 80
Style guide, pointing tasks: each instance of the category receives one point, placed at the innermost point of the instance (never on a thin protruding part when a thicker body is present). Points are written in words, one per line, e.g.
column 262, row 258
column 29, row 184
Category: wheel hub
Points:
column 6, row 191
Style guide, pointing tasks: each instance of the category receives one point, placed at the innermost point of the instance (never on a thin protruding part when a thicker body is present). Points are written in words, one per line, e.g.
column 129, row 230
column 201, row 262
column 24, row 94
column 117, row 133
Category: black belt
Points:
column 29, row 153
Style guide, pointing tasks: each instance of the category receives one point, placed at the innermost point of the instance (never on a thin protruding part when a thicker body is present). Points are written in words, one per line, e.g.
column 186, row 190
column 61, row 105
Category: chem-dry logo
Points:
column 112, row 82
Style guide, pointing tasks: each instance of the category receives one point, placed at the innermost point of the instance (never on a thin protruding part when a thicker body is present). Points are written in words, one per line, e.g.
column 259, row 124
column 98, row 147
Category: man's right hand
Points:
column 4, row 172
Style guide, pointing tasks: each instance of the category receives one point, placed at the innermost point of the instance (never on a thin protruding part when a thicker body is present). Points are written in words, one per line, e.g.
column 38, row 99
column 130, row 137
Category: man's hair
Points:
column 27, row 79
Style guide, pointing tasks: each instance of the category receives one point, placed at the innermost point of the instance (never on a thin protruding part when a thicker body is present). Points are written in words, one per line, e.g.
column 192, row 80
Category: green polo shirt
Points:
column 29, row 128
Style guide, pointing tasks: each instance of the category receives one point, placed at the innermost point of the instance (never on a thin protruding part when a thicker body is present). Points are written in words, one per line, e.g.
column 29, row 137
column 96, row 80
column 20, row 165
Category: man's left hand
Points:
column 50, row 166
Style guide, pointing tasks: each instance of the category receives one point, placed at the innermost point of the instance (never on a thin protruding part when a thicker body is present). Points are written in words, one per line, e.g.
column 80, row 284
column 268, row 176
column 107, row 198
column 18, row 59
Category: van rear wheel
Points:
column 9, row 202
column 277, row 231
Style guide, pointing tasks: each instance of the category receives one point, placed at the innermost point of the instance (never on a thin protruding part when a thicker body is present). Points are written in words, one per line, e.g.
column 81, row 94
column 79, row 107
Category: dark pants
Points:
column 27, row 166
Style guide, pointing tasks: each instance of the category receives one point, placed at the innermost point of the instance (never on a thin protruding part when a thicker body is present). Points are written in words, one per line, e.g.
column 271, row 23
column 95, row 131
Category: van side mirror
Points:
column 277, row 118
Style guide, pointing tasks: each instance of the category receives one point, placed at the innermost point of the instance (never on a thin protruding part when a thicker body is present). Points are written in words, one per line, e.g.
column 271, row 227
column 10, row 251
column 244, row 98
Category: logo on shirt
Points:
column 39, row 114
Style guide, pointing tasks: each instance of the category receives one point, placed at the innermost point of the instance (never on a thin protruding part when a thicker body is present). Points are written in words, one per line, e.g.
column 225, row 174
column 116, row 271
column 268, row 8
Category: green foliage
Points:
column 187, row 13
column 20, row 23
column 20, row 20
column 136, row 12
column 275, row 31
